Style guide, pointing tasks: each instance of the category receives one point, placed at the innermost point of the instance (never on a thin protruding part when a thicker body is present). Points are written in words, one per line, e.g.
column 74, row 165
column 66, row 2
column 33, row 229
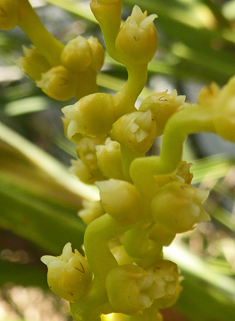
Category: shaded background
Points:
column 40, row 199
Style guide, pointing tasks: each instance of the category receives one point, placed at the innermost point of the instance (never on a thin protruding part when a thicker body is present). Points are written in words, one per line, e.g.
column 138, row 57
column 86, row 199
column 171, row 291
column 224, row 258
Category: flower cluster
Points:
column 144, row 201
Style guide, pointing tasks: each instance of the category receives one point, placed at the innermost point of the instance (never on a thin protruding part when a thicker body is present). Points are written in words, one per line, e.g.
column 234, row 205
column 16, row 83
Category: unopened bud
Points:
column 34, row 64
column 136, row 131
column 162, row 105
column 91, row 116
column 225, row 116
column 97, row 54
column 77, row 54
column 58, row 83
column 177, row 207
column 85, row 174
column 91, row 211
column 110, row 159
column 120, row 199
column 207, row 96
column 137, row 40
column 8, row 14
column 127, row 288
column 69, row 275
column 161, row 235
column 107, row 1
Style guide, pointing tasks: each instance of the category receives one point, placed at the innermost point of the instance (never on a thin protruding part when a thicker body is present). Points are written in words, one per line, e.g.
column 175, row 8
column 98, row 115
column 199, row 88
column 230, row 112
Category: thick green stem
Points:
column 127, row 157
column 125, row 99
column 96, row 241
column 109, row 18
column 30, row 23
column 185, row 122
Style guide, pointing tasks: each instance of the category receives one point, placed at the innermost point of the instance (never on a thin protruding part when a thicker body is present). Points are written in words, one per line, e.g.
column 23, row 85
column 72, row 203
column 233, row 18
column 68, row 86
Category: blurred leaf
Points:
column 207, row 294
column 213, row 167
column 49, row 165
column 23, row 274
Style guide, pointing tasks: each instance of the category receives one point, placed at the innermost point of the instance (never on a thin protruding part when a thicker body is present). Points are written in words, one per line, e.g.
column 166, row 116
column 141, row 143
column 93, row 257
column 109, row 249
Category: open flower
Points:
column 137, row 40
column 166, row 287
column 69, row 275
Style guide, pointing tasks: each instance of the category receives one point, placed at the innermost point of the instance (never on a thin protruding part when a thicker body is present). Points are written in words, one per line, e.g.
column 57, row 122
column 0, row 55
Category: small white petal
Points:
column 67, row 252
column 134, row 127
column 72, row 128
column 145, row 300
column 140, row 135
column 168, row 278
column 147, row 21
column 47, row 258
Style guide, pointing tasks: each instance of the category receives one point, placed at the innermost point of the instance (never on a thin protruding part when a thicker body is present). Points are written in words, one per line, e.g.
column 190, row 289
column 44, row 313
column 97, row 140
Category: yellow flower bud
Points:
column 91, row 211
column 166, row 287
column 85, row 174
column 69, row 275
column 8, row 14
column 121, row 200
column 225, row 117
column 34, row 64
column 161, row 235
column 127, row 288
column 77, row 54
column 221, row 104
column 177, row 207
column 107, row 1
column 110, row 159
column 209, row 95
column 162, row 105
column 137, row 40
column 97, row 54
column 91, row 116
column 58, row 83
column 136, row 131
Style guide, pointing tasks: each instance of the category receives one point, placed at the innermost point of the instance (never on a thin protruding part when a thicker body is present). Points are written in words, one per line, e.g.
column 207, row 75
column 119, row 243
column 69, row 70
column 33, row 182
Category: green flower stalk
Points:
column 144, row 200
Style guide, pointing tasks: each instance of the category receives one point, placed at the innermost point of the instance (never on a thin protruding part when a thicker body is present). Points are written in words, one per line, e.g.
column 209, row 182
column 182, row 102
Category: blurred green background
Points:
column 39, row 198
